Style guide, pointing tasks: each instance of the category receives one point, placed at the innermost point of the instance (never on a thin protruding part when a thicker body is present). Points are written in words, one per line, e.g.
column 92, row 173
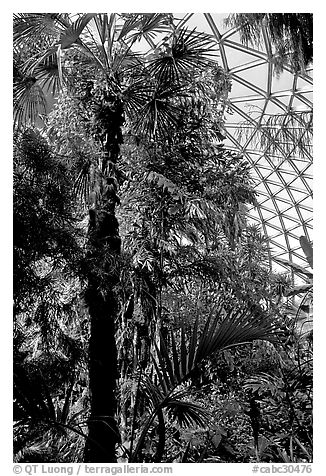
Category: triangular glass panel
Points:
column 273, row 108
column 298, row 195
column 284, row 193
column 289, row 225
column 283, row 82
column 302, row 83
column 281, row 242
column 306, row 215
column 298, row 184
column 298, row 105
column 274, row 189
column 236, row 54
column 258, row 75
column 267, row 214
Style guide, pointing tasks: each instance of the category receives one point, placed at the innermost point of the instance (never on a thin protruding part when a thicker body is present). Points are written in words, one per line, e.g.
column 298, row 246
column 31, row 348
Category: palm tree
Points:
column 147, row 91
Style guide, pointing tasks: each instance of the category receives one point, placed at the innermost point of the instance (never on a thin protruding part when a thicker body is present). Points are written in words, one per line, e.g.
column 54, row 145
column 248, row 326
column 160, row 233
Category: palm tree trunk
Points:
column 103, row 276
column 103, row 431
column 103, row 307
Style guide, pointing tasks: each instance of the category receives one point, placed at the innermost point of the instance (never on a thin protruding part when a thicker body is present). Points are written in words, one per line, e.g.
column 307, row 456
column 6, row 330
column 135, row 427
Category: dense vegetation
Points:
column 148, row 326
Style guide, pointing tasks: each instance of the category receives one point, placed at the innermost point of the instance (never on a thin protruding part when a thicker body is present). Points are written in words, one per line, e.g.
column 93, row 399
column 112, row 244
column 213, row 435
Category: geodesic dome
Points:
column 269, row 121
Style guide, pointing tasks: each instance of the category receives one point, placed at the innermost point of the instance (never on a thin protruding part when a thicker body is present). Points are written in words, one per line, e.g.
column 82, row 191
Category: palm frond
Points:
column 29, row 102
column 307, row 249
column 186, row 413
column 221, row 331
column 162, row 375
column 42, row 57
column 186, row 50
column 135, row 96
column 176, row 404
column 72, row 33
column 35, row 25
column 147, row 24
column 101, row 23
column 131, row 22
column 295, row 267
column 47, row 74
column 87, row 183
column 161, row 112
column 151, row 391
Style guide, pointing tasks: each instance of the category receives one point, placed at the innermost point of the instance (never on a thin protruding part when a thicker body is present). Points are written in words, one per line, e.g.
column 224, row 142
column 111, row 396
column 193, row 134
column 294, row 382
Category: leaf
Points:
column 307, row 249
column 29, row 103
column 296, row 267
column 145, row 26
column 175, row 358
column 165, row 184
column 163, row 375
column 101, row 22
column 192, row 346
column 47, row 74
column 181, row 52
column 183, row 356
column 305, row 451
column 299, row 289
column 263, row 383
column 71, row 34
column 187, row 413
column 305, row 308
column 35, row 25
column 168, row 362
column 221, row 331
column 194, row 209
column 131, row 23
column 186, row 453
column 161, row 111
column 216, row 439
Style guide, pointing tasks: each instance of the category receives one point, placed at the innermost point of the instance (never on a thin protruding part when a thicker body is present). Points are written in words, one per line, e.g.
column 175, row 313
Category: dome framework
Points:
column 268, row 120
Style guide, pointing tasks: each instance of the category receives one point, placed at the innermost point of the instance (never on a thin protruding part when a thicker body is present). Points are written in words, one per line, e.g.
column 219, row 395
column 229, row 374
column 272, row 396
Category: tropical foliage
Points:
column 144, row 300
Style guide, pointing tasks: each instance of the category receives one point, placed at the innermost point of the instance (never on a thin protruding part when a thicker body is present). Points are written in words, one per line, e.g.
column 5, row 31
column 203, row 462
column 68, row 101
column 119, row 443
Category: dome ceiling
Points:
column 269, row 121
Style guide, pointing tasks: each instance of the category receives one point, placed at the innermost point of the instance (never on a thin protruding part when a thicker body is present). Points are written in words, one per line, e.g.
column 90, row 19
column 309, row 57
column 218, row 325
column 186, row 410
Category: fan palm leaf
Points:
column 135, row 95
column 177, row 405
column 187, row 413
column 71, row 34
column 221, row 331
column 47, row 74
column 146, row 26
column 33, row 26
column 186, row 50
column 174, row 366
column 29, row 100
column 160, row 112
